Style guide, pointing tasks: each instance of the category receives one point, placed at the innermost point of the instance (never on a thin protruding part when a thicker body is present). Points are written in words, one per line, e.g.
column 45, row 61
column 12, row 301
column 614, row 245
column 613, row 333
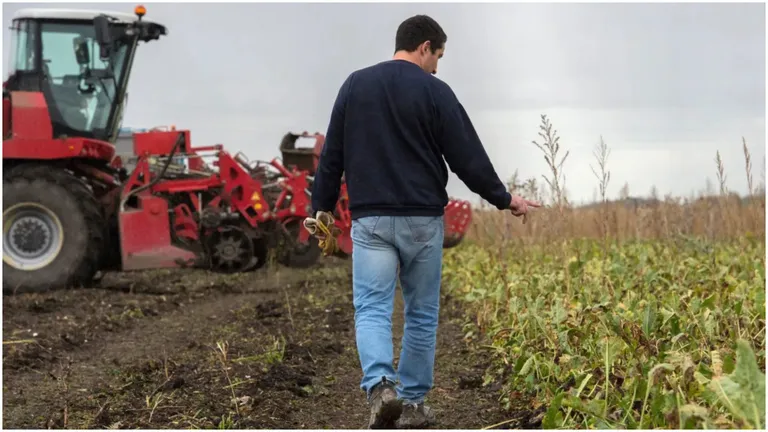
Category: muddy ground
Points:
column 190, row 349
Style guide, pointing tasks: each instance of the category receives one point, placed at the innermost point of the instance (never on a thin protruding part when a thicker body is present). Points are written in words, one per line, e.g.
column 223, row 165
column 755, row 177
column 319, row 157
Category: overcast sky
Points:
column 666, row 85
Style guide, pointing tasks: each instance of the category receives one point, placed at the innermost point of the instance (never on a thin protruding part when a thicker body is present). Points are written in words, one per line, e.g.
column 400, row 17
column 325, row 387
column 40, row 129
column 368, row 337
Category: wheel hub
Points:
column 32, row 236
column 231, row 250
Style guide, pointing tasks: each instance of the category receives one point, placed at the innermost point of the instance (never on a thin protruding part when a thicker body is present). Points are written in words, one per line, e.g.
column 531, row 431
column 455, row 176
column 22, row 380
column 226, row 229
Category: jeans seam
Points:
column 370, row 232
column 432, row 237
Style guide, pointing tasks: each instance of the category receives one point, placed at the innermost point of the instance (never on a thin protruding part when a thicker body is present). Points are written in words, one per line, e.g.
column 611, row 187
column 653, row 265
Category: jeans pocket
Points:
column 424, row 228
column 366, row 224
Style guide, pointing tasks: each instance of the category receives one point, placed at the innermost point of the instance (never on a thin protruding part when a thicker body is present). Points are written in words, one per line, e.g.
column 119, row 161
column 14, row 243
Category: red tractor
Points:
column 62, row 108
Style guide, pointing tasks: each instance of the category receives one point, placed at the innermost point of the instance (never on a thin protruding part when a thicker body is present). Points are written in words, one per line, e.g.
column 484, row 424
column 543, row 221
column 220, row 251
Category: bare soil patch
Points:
column 191, row 349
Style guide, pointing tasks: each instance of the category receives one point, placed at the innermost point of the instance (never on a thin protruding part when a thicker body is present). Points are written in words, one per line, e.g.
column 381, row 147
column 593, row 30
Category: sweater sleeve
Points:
column 466, row 156
column 330, row 167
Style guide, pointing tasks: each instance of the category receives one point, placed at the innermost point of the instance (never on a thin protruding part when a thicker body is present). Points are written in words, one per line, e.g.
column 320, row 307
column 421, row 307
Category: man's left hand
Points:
column 519, row 206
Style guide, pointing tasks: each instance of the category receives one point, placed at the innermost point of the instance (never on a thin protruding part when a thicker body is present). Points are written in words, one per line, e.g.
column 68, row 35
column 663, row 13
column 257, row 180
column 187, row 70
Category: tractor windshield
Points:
column 80, row 61
column 83, row 92
column 62, row 59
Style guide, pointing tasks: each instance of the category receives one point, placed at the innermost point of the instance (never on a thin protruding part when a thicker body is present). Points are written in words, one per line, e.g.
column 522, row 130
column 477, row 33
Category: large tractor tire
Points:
column 53, row 230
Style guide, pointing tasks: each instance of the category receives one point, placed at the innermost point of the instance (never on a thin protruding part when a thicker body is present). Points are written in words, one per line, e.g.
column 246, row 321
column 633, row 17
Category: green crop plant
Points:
column 624, row 314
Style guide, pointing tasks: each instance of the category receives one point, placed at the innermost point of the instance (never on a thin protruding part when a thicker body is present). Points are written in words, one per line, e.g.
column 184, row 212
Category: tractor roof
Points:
column 74, row 14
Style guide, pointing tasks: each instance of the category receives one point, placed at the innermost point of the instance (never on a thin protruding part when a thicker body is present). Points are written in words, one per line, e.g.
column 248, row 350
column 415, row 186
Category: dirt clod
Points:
column 470, row 382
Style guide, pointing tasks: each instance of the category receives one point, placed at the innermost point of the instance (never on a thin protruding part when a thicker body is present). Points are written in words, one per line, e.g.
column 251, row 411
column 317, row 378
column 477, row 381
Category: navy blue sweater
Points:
column 390, row 128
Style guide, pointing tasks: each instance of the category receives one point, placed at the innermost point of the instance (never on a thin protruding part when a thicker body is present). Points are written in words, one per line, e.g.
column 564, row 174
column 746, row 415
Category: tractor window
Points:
column 83, row 94
column 23, row 51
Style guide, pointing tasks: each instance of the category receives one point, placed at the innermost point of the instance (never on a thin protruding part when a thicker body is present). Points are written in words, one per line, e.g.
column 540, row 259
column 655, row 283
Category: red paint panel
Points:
column 49, row 148
column 158, row 143
column 29, row 114
column 6, row 116
column 145, row 237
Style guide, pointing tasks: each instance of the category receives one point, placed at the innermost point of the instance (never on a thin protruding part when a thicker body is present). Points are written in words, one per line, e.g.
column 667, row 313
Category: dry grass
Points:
column 710, row 216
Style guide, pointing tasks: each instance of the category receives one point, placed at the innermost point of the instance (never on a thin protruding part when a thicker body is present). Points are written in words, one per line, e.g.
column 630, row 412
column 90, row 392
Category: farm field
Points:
column 633, row 313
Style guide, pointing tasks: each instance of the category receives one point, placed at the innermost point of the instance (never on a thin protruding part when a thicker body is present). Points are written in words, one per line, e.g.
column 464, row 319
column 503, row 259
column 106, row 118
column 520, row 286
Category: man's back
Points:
column 393, row 161
column 391, row 126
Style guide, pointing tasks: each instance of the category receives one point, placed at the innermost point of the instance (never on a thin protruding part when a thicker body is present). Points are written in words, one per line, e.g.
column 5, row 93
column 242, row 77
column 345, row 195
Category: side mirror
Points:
column 103, row 35
column 82, row 52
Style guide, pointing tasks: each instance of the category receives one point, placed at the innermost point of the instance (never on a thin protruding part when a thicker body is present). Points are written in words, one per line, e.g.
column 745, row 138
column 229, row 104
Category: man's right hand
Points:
column 519, row 206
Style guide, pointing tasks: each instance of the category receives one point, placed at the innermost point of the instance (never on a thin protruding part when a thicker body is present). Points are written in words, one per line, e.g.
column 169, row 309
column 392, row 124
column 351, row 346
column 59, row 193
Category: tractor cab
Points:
column 80, row 61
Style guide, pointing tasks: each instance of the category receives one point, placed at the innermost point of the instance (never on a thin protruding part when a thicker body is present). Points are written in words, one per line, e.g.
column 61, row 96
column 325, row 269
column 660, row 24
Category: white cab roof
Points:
column 73, row 14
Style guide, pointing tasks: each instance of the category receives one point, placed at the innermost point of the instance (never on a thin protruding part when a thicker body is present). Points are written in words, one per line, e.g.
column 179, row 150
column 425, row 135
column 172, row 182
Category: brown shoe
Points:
column 385, row 406
column 416, row 416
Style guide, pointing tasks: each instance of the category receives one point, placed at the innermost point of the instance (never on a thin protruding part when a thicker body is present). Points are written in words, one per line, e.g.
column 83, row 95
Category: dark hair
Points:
column 416, row 30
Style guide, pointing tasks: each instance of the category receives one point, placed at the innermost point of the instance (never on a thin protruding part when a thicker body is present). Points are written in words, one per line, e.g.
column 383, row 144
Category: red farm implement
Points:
column 225, row 218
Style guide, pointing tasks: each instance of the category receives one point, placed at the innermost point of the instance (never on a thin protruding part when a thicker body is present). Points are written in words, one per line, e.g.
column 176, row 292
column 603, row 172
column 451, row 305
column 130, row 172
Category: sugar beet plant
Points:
column 624, row 331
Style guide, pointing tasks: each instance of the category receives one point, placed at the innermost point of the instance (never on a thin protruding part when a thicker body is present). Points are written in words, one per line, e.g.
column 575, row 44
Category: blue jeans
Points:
column 382, row 245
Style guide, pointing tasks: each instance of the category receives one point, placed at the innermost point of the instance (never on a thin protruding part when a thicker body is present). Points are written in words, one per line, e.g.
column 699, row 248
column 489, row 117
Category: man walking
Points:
column 391, row 126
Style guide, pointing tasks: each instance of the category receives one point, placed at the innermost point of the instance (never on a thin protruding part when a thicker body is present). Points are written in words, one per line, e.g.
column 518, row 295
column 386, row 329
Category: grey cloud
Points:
column 683, row 77
column 621, row 56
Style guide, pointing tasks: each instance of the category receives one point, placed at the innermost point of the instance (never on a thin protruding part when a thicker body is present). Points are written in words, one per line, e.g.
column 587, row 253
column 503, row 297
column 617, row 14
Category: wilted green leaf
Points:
column 689, row 413
column 554, row 417
column 743, row 391
column 527, row 366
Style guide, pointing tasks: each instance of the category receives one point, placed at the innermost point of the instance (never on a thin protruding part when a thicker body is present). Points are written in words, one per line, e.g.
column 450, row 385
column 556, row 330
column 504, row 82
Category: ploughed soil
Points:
column 192, row 349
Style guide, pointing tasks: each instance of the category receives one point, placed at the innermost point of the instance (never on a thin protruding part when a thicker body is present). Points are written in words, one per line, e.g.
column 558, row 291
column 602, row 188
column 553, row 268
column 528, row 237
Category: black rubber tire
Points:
column 261, row 252
column 450, row 242
column 111, row 258
column 293, row 258
column 342, row 255
column 82, row 222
